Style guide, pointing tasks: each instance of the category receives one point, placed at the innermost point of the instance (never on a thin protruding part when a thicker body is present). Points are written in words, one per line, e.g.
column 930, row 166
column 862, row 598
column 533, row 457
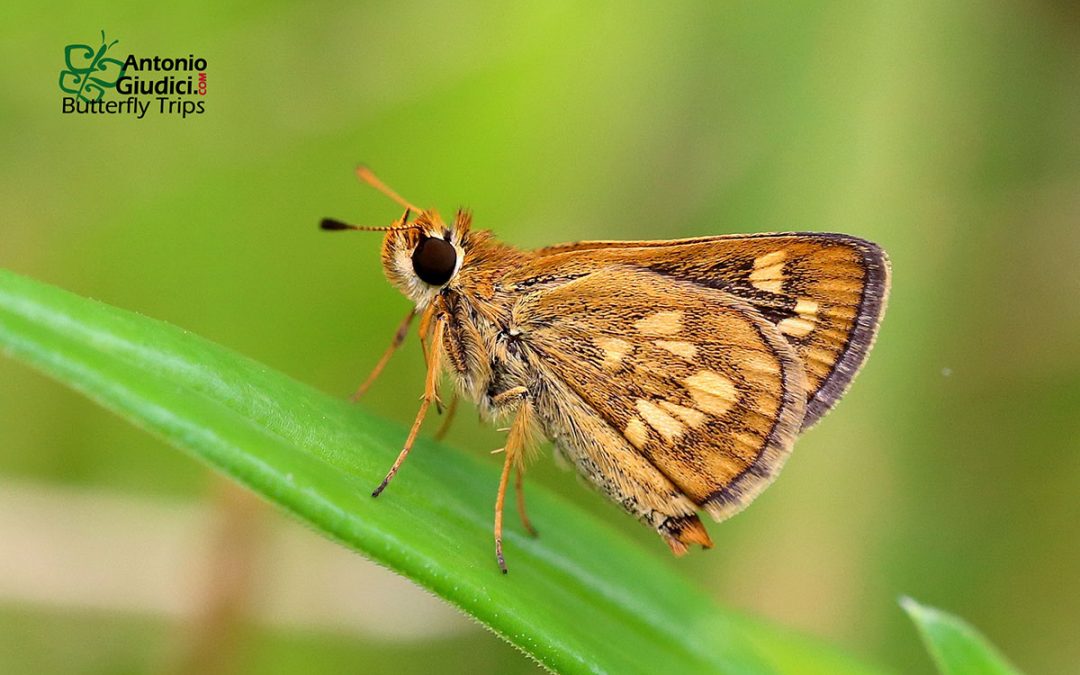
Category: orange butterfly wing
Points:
column 825, row 293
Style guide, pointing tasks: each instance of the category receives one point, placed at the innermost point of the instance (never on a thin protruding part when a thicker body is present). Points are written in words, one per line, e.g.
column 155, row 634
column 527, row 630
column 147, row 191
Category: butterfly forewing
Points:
column 692, row 378
column 825, row 293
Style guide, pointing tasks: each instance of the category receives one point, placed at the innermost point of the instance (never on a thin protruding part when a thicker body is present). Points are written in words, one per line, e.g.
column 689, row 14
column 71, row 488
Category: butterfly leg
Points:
column 516, row 442
column 399, row 337
column 451, row 410
column 499, row 399
column 519, row 491
column 430, row 395
column 425, row 339
column 425, row 328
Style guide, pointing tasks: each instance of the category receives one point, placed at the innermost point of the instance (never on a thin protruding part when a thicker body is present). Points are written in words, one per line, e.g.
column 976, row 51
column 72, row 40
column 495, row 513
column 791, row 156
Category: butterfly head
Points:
column 425, row 258
column 422, row 257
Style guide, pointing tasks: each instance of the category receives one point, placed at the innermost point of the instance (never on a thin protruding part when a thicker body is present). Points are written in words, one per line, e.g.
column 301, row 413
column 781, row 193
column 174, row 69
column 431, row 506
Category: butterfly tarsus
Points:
column 507, row 461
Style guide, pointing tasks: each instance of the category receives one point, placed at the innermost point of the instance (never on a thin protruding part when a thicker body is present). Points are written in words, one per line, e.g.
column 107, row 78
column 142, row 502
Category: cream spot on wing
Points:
column 693, row 418
column 712, row 392
column 747, row 446
column 661, row 323
column 803, row 324
column 770, row 259
column 806, row 308
column 636, row 433
column 761, row 363
column 665, row 425
column 768, row 273
column 614, row 350
column 684, row 349
column 796, row 326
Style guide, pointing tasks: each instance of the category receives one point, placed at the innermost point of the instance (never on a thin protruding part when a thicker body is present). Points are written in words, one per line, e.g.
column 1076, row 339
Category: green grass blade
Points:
column 578, row 599
column 955, row 645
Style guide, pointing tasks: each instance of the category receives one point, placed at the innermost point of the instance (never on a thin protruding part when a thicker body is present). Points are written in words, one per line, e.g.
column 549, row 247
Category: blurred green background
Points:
column 947, row 132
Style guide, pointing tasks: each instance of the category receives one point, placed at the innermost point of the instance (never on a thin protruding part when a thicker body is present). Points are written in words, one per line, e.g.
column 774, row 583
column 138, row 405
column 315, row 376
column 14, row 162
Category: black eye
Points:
column 434, row 260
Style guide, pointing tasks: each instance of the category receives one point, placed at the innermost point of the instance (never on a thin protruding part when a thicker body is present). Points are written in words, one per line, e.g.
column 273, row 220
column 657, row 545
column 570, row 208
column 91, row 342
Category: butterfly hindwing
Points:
column 695, row 380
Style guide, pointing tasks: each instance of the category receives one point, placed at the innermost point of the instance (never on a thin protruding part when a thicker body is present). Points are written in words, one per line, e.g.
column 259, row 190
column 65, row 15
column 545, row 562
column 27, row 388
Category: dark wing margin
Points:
column 868, row 315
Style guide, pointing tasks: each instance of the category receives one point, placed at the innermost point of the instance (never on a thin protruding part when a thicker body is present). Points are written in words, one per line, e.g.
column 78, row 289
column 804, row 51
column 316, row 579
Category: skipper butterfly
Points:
column 674, row 375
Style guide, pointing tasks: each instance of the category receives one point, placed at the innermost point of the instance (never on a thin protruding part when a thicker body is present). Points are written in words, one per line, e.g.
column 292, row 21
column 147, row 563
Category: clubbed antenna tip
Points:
column 331, row 224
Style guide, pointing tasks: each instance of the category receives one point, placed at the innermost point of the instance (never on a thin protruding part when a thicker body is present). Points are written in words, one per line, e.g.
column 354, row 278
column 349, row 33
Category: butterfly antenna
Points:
column 365, row 174
column 333, row 225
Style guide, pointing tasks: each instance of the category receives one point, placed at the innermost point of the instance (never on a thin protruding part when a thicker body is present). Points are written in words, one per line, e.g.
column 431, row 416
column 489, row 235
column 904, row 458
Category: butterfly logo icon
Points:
column 89, row 72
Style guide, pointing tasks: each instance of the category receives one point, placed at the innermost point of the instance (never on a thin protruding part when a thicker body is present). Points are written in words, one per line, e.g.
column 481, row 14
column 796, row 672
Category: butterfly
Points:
column 674, row 375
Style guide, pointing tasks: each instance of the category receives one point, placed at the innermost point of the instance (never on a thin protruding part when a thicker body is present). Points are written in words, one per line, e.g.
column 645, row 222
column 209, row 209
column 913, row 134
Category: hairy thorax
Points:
column 486, row 354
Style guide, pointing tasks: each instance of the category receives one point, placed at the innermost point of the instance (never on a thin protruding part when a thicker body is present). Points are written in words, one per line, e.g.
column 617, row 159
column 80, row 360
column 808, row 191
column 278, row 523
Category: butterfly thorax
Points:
column 482, row 342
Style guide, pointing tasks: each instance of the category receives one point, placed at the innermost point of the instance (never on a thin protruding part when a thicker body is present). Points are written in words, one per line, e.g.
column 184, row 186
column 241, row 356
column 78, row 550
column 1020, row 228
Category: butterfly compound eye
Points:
column 434, row 260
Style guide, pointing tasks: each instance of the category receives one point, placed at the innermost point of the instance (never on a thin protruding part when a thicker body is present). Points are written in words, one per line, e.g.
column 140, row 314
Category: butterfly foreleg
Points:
column 426, row 345
column 430, row 395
